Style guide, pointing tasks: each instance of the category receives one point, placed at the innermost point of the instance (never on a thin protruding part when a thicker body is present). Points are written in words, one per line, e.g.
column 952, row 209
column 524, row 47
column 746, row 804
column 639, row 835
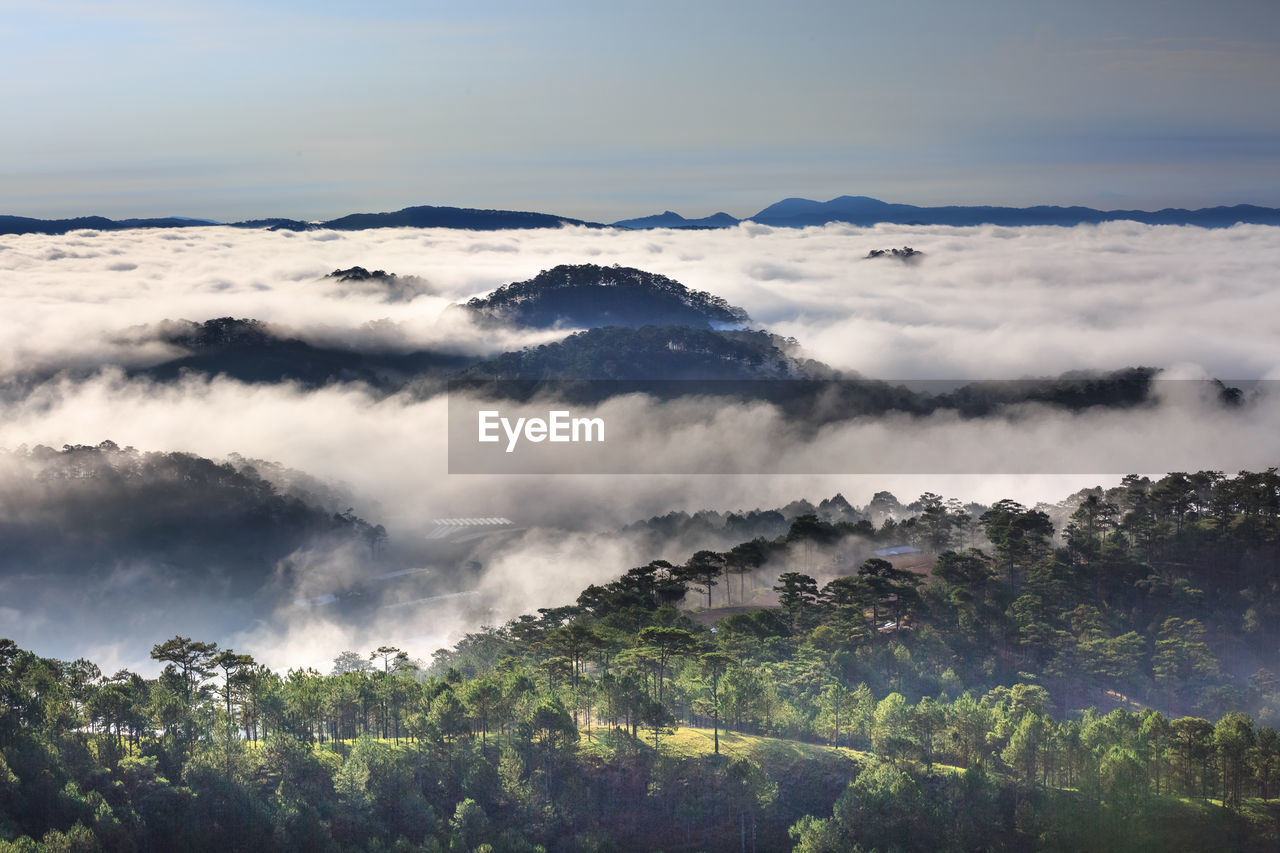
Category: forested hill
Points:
column 750, row 365
column 85, row 511
column 388, row 286
column 587, row 295
column 252, row 351
column 1106, row 685
column 663, row 361
column 1164, row 591
column 756, row 365
column 668, row 353
column 724, row 529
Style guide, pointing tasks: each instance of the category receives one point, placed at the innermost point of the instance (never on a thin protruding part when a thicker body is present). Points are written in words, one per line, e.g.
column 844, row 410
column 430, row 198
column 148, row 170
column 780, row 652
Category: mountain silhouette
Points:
column 671, row 219
column 864, row 210
column 788, row 213
column 427, row 216
column 861, row 210
column 29, row 225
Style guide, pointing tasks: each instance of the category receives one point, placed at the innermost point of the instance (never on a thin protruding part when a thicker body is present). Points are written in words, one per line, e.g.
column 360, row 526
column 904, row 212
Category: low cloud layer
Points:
column 983, row 303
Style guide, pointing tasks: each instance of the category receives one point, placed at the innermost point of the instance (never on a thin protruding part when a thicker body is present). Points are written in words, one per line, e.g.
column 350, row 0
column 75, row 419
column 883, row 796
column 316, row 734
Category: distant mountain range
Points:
column 425, row 216
column 788, row 213
column 861, row 210
column 27, row 225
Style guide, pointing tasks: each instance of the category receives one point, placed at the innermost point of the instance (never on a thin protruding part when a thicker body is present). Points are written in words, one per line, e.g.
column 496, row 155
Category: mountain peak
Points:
column 859, row 200
column 587, row 295
column 671, row 219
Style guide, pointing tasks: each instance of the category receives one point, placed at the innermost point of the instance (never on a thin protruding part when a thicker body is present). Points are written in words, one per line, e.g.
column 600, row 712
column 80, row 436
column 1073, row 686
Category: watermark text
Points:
column 558, row 426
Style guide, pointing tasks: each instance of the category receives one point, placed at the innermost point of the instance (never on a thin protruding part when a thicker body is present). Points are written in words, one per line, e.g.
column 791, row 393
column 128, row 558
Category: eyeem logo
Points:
column 559, row 426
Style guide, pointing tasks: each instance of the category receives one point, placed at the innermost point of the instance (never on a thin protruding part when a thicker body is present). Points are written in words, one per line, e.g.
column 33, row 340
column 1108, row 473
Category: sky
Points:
column 601, row 111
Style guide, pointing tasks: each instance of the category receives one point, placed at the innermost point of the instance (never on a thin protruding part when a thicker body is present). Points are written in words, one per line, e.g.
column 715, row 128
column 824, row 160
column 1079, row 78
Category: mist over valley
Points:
column 329, row 354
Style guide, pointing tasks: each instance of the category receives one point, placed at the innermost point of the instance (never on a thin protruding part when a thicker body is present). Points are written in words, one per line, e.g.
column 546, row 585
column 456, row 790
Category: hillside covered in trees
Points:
column 673, row 353
column 116, row 541
column 1097, row 674
column 252, row 351
column 588, row 295
column 84, row 508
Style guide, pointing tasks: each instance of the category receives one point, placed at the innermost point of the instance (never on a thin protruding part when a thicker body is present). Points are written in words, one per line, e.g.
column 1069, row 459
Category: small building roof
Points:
column 898, row 551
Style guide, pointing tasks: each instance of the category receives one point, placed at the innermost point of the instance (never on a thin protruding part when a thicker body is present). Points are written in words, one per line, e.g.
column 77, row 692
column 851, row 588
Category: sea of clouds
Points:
column 982, row 303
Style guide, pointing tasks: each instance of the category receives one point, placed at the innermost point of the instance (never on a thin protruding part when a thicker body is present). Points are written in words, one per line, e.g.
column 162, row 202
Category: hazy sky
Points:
column 604, row 110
